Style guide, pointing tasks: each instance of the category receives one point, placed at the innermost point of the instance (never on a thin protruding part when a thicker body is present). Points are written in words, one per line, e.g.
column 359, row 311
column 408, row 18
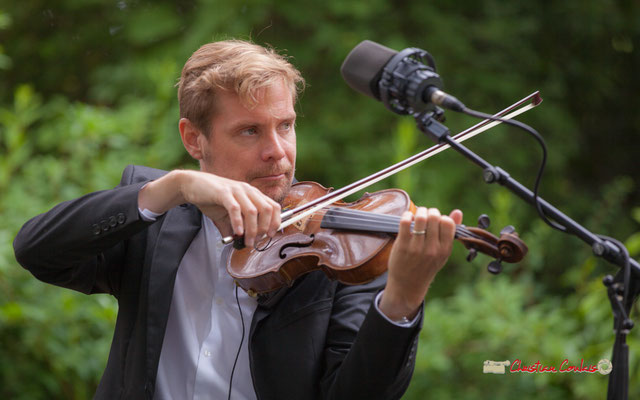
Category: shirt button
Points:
column 219, row 301
column 207, row 353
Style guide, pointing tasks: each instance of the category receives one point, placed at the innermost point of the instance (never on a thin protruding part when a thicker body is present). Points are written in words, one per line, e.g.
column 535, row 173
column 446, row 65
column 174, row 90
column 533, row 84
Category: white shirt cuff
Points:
column 148, row 215
column 409, row 324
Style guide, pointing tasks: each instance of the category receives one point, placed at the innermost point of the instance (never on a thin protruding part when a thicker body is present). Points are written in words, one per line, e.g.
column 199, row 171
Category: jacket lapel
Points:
column 180, row 226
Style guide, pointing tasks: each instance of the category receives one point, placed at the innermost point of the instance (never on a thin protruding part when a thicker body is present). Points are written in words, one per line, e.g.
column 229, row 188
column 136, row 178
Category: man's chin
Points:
column 276, row 192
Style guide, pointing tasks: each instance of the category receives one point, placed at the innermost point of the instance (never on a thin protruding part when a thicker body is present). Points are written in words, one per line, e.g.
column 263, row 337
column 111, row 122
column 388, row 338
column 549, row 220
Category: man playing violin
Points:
column 184, row 330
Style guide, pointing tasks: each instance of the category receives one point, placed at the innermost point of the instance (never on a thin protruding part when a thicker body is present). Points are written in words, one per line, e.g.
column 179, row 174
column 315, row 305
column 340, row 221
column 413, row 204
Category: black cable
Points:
column 537, row 136
column 239, row 347
column 625, row 254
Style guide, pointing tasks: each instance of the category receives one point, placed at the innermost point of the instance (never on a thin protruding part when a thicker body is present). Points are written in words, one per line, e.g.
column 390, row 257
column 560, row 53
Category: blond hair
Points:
column 231, row 65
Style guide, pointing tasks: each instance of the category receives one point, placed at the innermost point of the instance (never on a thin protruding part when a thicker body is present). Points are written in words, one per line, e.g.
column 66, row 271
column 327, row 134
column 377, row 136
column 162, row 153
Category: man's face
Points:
column 257, row 145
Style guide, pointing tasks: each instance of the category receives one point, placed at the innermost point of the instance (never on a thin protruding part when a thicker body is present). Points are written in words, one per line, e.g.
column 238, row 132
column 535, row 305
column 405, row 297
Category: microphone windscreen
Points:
column 363, row 67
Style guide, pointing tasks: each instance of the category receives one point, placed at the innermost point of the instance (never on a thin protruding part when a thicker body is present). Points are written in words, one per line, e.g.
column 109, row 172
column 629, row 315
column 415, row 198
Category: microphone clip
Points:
column 430, row 124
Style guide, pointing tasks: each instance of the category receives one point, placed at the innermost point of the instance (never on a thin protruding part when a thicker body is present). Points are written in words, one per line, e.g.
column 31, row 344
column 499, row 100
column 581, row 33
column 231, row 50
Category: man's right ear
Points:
column 191, row 138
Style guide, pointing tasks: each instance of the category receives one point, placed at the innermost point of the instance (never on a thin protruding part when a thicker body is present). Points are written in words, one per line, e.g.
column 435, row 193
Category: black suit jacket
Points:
column 317, row 339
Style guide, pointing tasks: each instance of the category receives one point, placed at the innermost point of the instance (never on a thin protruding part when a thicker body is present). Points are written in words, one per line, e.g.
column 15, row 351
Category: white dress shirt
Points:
column 204, row 328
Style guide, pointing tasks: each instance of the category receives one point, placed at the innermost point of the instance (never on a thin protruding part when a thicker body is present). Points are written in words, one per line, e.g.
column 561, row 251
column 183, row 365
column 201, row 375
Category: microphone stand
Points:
column 609, row 249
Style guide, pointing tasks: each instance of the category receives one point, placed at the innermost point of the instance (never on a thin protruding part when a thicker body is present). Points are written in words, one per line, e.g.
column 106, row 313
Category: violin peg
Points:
column 507, row 229
column 495, row 267
column 484, row 221
column 472, row 254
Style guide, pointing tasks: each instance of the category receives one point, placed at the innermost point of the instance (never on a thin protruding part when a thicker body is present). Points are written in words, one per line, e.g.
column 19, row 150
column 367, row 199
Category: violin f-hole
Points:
column 299, row 245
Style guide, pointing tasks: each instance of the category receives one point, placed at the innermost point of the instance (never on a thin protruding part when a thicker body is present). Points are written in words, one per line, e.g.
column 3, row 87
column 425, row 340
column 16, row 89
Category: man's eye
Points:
column 249, row 131
column 286, row 126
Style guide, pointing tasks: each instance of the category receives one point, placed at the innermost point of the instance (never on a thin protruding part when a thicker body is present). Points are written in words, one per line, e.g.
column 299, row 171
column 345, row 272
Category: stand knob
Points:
column 627, row 324
column 438, row 115
column 490, row 175
column 607, row 280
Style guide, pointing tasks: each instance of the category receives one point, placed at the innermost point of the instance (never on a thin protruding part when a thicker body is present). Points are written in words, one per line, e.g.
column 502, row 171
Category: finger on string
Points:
column 404, row 228
column 420, row 224
column 447, row 229
column 456, row 215
column 433, row 225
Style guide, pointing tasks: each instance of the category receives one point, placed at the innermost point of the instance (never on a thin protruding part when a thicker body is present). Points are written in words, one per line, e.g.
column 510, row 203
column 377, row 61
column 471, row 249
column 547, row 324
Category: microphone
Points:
column 406, row 81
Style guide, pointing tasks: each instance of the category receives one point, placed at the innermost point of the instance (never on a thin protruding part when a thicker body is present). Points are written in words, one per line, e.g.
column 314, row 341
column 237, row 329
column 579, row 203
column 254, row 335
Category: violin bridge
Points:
column 301, row 225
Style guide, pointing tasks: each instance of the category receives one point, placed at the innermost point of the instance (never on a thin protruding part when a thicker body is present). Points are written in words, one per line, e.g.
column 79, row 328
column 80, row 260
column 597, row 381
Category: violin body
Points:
column 351, row 258
column 349, row 242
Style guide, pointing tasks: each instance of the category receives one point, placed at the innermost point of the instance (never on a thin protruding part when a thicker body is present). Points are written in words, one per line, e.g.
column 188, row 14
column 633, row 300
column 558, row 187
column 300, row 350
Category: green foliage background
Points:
column 87, row 87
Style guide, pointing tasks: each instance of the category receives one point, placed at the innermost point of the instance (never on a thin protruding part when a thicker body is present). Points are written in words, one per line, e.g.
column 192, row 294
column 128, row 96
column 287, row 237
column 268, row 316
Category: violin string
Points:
column 371, row 217
column 357, row 215
column 388, row 222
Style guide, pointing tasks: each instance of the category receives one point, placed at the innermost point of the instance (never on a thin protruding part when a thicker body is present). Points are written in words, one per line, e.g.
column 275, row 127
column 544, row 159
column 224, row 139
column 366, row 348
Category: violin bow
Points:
column 294, row 215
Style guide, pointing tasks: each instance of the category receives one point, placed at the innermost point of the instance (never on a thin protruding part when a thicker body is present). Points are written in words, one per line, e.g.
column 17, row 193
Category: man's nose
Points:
column 274, row 146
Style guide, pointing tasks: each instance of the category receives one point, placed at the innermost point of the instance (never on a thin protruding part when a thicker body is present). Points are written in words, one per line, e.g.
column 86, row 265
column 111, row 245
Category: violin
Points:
column 351, row 242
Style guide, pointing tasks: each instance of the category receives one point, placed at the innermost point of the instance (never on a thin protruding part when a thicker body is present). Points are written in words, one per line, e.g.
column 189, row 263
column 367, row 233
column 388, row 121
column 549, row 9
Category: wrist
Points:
column 161, row 195
column 398, row 308
column 180, row 182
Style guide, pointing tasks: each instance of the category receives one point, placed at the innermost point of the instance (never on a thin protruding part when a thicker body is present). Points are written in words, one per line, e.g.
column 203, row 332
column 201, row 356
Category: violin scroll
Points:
column 508, row 247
